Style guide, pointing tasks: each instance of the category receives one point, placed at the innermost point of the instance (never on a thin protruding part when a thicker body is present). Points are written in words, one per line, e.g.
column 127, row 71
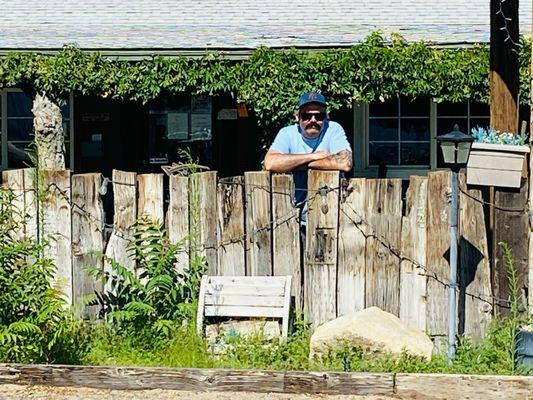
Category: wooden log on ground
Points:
column 231, row 246
column 320, row 271
column 124, row 217
column 177, row 219
column 150, row 202
column 57, row 228
column 413, row 279
column 438, row 244
column 203, row 205
column 475, row 289
column 458, row 387
column 351, row 268
column 384, row 215
column 201, row 380
column 258, row 223
column 286, row 235
column 87, row 236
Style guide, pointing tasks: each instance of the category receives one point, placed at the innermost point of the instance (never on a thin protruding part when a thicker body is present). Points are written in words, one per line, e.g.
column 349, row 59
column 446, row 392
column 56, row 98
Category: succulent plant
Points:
column 494, row 136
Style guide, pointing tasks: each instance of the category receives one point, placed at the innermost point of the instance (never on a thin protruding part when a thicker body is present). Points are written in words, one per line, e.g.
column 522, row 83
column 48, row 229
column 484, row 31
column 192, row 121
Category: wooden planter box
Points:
column 496, row 165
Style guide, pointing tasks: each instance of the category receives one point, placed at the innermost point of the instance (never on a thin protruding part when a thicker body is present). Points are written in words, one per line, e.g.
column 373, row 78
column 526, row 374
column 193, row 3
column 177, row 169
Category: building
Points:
column 103, row 134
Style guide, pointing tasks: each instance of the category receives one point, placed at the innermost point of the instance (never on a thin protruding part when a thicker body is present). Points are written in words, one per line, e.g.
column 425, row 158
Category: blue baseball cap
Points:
column 311, row 97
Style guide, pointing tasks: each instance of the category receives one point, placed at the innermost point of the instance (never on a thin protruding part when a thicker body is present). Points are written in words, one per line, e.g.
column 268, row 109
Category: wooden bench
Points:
column 245, row 296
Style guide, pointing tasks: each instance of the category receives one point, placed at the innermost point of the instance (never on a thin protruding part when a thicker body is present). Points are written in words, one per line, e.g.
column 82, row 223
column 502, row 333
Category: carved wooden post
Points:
column 49, row 139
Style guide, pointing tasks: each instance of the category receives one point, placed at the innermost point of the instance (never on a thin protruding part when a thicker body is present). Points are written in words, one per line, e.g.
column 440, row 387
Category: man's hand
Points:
column 341, row 161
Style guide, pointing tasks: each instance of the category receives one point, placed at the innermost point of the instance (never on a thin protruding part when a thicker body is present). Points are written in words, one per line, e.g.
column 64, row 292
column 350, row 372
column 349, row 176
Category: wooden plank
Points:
column 413, row 279
column 203, row 204
column 438, row 244
column 475, row 296
column 124, row 217
column 14, row 180
column 57, row 229
column 244, row 311
column 31, row 205
column 320, row 271
column 512, row 228
column 136, row 378
column 444, row 386
column 286, row 250
column 231, row 250
column 352, row 245
column 177, row 218
column 259, row 281
column 245, row 290
column 244, row 300
column 382, row 273
column 150, row 202
column 201, row 304
column 258, row 223
column 87, row 236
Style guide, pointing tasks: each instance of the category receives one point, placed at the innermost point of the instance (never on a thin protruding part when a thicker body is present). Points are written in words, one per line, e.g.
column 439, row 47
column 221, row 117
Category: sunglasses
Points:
column 305, row 116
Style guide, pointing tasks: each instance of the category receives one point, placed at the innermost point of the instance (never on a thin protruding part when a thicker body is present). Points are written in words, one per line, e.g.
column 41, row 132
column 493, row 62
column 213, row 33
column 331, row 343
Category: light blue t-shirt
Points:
column 290, row 140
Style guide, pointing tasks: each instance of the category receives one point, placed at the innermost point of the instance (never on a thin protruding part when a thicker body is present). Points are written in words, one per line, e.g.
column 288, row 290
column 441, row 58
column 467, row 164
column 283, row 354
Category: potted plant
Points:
column 497, row 158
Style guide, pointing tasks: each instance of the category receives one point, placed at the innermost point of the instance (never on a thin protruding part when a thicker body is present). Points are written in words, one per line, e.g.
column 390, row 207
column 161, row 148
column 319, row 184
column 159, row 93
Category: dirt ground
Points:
column 19, row 392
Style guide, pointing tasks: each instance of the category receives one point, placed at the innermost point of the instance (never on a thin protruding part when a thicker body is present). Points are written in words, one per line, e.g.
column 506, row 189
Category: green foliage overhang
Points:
column 269, row 81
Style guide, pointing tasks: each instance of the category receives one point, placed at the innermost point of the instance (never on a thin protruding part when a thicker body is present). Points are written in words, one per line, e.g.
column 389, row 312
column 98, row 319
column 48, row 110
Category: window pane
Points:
column 482, row 122
column 18, row 105
column 389, row 108
column 383, row 129
column 65, row 111
column 414, row 129
column 383, row 152
column 418, row 107
column 20, row 129
column 17, row 156
column 447, row 108
column 479, row 109
column 414, row 153
column 445, row 125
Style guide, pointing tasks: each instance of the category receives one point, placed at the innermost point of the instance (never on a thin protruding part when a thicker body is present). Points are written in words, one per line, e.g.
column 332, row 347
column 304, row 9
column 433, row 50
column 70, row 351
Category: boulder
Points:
column 372, row 329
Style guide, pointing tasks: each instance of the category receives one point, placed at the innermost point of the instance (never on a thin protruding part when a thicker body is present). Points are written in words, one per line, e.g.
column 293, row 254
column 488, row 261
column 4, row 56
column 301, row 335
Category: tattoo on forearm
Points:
column 342, row 157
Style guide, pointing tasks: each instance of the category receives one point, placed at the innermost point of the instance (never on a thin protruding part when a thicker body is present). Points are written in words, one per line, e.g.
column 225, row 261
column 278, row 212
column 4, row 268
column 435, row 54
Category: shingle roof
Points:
column 239, row 24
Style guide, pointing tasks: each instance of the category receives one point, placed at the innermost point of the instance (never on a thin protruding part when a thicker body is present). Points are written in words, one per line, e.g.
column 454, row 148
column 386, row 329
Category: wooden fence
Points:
column 367, row 243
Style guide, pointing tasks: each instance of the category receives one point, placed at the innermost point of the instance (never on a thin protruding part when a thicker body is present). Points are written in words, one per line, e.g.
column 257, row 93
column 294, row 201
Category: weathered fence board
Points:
column 286, row 251
column 150, row 201
column 384, row 213
column 438, row 244
column 177, row 220
column 124, row 217
column 413, row 280
column 87, row 235
column 31, row 205
column 205, row 200
column 320, row 270
column 475, row 301
column 57, row 229
column 14, row 181
column 258, row 223
column 231, row 246
column 351, row 267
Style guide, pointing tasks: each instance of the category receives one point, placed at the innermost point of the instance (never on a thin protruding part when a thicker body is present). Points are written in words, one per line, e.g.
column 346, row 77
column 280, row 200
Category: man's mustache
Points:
column 309, row 126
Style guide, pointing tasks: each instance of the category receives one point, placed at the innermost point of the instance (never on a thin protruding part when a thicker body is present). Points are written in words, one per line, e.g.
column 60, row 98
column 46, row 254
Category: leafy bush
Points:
column 493, row 136
column 35, row 324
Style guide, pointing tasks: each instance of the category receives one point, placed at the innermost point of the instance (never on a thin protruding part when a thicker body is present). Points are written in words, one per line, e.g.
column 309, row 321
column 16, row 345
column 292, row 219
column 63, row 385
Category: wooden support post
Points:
column 286, row 235
column 177, row 220
column 320, row 272
column 384, row 214
column 57, row 227
column 231, row 246
column 351, row 266
column 413, row 278
column 87, row 235
column 258, row 223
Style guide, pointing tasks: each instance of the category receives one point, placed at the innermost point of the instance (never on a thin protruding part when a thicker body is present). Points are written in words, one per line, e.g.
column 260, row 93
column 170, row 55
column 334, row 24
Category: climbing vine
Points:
column 269, row 81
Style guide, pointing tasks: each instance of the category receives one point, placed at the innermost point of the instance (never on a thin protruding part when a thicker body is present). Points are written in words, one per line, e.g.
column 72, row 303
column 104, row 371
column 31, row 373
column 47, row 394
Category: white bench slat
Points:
column 243, row 311
column 245, row 290
column 249, row 280
column 226, row 299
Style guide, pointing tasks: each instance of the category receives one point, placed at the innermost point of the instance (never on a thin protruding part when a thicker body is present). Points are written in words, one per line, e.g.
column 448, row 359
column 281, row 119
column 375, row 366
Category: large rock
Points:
column 374, row 330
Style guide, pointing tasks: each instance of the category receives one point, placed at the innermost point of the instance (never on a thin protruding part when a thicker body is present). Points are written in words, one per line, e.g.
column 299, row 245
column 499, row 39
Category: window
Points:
column 466, row 115
column 399, row 132
column 17, row 125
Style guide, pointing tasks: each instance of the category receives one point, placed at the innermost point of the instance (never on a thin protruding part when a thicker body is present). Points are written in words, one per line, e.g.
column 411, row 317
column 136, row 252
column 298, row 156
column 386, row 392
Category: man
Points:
column 314, row 142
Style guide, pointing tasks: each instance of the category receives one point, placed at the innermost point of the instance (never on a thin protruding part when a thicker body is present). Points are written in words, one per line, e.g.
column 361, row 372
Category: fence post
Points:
column 177, row 219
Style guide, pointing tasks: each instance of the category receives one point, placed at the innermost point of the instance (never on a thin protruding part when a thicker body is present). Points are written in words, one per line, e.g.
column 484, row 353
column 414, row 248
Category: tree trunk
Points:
column 48, row 128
